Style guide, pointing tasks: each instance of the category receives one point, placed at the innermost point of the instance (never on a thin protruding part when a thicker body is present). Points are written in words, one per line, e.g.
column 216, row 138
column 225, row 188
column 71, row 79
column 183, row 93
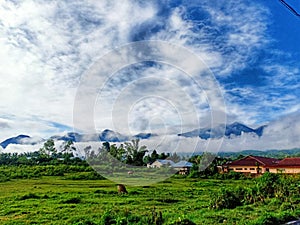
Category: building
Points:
column 287, row 165
column 161, row 163
column 251, row 165
column 183, row 167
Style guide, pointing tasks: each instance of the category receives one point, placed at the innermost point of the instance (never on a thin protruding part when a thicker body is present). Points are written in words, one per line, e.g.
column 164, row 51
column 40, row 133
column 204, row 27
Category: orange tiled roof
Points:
column 289, row 162
column 253, row 161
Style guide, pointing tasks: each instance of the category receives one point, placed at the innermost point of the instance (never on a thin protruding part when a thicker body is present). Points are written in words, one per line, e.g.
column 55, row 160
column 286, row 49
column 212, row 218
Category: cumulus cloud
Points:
column 47, row 47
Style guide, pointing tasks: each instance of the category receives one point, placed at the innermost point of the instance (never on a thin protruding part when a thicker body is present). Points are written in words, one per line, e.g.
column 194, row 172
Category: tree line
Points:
column 129, row 153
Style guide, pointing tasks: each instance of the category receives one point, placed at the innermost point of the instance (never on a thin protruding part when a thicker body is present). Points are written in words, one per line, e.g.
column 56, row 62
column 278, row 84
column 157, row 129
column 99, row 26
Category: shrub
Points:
column 267, row 184
column 194, row 174
column 234, row 175
column 225, row 199
column 250, row 195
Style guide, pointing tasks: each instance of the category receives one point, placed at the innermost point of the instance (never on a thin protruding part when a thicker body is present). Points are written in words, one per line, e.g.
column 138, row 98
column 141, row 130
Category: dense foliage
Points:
column 285, row 189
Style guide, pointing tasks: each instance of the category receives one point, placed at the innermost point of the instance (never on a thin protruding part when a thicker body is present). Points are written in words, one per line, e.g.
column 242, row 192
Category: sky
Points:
column 54, row 55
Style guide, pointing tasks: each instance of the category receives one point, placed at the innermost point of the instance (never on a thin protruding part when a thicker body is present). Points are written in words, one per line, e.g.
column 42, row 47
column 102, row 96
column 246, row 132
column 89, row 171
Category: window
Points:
column 280, row 170
column 245, row 168
column 238, row 168
column 252, row 168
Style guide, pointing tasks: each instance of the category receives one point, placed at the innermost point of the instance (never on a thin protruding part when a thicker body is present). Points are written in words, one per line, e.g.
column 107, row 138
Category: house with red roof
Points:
column 251, row 165
column 259, row 165
column 287, row 165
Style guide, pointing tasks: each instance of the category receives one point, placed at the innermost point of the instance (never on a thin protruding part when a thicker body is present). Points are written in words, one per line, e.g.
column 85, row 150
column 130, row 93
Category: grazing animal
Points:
column 122, row 189
column 130, row 172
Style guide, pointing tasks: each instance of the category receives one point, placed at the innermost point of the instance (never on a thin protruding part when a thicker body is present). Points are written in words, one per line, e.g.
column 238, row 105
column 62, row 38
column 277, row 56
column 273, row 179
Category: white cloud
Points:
column 22, row 148
column 47, row 46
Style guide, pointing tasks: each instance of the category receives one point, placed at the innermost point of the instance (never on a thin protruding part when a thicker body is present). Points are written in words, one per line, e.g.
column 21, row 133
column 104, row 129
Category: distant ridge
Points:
column 273, row 153
column 20, row 139
column 105, row 135
column 220, row 131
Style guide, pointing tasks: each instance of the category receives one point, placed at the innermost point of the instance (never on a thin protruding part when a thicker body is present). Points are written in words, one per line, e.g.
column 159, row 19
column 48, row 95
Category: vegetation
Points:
column 54, row 187
column 130, row 153
column 284, row 189
column 59, row 200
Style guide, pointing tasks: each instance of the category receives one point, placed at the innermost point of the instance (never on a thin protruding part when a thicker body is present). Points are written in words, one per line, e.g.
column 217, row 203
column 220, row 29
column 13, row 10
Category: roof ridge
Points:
column 255, row 158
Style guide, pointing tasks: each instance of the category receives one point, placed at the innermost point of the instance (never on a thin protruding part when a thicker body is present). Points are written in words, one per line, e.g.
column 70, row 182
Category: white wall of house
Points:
column 246, row 169
column 156, row 164
column 285, row 170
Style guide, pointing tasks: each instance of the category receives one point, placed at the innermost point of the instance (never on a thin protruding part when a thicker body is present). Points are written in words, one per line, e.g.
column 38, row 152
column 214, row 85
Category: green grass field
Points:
column 57, row 200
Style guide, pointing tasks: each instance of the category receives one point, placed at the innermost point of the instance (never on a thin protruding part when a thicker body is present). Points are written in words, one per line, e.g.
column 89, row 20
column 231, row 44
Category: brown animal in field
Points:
column 122, row 189
column 130, row 172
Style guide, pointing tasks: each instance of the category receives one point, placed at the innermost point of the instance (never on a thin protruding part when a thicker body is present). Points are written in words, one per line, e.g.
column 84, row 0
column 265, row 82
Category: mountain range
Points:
column 105, row 135
column 21, row 140
column 230, row 131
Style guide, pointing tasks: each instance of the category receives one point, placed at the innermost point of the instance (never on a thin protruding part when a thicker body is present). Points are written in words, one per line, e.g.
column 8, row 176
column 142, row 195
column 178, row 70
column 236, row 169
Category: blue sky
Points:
column 250, row 47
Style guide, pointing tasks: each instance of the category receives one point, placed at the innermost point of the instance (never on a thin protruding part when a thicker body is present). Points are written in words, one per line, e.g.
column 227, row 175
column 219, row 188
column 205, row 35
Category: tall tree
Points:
column 134, row 153
column 48, row 149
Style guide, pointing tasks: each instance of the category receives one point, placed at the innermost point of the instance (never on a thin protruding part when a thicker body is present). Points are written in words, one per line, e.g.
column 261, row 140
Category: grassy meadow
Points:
column 73, row 198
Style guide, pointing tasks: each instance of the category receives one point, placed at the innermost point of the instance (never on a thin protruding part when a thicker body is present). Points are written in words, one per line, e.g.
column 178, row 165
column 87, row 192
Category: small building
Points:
column 183, row 167
column 251, row 165
column 287, row 165
column 161, row 163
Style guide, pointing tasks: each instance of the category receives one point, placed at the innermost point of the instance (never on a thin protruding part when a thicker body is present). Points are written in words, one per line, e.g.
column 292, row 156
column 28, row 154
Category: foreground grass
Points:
column 56, row 200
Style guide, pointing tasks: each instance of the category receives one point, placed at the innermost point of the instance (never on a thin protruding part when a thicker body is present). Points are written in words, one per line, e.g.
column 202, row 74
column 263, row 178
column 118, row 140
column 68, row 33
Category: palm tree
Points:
column 134, row 153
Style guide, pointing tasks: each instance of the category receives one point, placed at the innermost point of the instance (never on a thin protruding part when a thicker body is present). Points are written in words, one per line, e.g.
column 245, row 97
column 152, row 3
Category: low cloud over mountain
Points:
column 280, row 134
column 231, row 130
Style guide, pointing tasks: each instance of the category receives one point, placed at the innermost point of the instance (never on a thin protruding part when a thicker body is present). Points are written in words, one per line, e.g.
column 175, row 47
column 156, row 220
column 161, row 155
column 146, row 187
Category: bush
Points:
column 225, row 199
column 234, row 175
column 267, row 184
column 250, row 195
column 194, row 174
